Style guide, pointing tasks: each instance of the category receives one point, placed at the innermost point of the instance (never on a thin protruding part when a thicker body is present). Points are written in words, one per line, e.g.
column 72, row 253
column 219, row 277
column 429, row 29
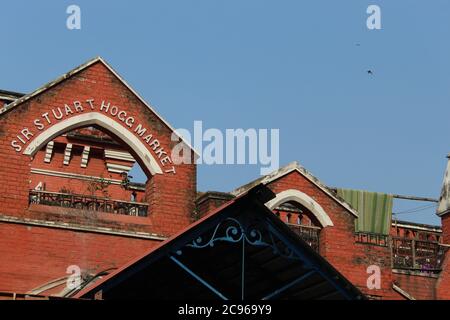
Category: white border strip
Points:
column 75, row 71
column 73, row 176
column 91, row 118
column 69, row 226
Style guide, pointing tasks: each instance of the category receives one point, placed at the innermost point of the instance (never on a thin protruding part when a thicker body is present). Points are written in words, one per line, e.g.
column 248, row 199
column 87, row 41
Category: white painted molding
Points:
column 118, row 168
column 85, row 156
column 96, row 118
column 49, row 152
column 303, row 199
column 73, row 176
column 67, row 154
column 78, row 69
column 291, row 167
column 78, row 227
column 119, row 155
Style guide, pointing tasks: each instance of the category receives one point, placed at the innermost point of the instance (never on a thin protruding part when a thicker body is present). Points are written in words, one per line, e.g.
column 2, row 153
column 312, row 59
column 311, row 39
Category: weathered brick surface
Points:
column 446, row 228
column 338, row 246
column 32, row 256
column 420, row 287
column 170, row 196
column 443, row 283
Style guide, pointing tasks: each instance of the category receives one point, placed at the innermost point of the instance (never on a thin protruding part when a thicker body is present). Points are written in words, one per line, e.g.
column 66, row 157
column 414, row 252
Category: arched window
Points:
column 302, row 214
column 88, row 169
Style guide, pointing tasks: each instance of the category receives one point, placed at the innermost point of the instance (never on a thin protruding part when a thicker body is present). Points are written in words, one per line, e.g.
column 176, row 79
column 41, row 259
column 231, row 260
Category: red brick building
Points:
column 66, row 200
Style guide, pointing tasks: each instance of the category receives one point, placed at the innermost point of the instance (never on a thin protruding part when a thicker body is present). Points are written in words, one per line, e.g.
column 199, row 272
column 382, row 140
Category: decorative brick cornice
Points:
column 77, row 227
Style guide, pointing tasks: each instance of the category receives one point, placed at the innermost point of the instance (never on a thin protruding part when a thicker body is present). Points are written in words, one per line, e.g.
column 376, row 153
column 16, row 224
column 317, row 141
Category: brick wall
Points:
column 170, row 196
column 337, row 243
column 421, row 287
column 33, row 256
column 210, row 201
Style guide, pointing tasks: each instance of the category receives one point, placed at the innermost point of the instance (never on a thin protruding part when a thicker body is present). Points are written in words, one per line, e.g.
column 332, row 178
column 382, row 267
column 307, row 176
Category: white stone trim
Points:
column 119, row 155
column 78, row 69
column 96, row 118
column 49, row 152
column 67, row 154
column 60, row 174
column 85, row 156
column 118, row 168
column 304, row 200
column 436, row 229
column 295, row 166
column 84, row 228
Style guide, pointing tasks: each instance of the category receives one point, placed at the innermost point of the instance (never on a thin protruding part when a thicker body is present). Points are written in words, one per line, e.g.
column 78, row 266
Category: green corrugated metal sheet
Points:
column 375, row 209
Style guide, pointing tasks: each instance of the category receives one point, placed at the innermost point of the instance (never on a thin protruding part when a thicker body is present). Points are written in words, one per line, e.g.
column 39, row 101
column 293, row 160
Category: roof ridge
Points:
column 295, row 166
column 48, row 85
column 78, row 69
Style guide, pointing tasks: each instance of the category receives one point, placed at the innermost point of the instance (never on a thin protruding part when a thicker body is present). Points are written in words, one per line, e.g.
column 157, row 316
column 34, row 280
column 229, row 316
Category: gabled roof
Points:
column 291, row 167
column 206, row 261
column 75, row 71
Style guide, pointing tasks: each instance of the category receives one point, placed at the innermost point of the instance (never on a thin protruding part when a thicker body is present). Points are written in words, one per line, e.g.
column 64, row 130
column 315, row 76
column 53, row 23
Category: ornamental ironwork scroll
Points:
column 233, row 231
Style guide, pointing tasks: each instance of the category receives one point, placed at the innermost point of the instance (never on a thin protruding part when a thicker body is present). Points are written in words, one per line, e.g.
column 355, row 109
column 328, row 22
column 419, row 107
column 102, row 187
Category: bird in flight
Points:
column 370, row 72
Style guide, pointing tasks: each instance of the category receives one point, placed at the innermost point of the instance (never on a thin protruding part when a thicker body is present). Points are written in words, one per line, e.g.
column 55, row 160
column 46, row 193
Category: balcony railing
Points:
column 88, row 203
column 372, row 238
column 420, row 255
column 309, row 234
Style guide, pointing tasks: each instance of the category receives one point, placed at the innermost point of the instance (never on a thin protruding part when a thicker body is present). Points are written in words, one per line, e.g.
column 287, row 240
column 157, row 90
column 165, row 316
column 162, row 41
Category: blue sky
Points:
column 292, row 65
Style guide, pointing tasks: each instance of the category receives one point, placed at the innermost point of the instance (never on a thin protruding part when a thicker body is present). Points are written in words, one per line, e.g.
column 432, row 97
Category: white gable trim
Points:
column 95, row 118
column 79, row 69
column 294, row 166
column 306, row 201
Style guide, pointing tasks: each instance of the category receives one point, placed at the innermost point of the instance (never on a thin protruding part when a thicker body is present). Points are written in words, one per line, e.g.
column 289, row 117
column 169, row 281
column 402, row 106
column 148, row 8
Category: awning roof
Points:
column 240, row 251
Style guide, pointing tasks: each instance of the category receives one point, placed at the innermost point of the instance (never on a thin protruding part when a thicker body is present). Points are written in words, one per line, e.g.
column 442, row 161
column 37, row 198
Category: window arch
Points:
column 293, row 195
column 95, row 118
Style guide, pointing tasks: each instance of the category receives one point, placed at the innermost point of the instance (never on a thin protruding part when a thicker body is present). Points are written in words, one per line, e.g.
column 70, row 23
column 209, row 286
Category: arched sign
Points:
column 92, row 95
column 77, row 114
column 96, row 118
column 109, row 114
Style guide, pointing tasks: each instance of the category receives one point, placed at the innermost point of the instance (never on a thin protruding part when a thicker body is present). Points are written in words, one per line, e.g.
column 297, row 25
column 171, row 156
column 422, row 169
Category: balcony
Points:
column 309, row 234
column 88, row 203
column 372, row 238
column 418, row 255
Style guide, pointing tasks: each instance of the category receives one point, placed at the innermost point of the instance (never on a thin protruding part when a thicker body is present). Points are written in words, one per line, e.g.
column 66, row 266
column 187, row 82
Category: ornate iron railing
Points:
column 309, row 234
column 412, row 254
column 372, row 238
column 89, row 203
